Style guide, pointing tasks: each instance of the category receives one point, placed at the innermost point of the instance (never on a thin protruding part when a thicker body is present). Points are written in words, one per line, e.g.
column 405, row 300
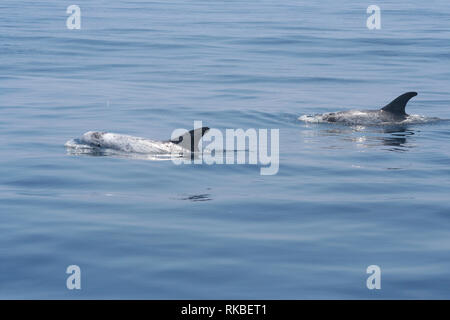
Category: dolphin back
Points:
column 398, row 105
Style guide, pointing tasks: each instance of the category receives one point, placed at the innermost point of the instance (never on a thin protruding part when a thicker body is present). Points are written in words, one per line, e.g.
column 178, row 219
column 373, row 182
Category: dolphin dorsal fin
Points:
column 190, row 139
column 398, row 105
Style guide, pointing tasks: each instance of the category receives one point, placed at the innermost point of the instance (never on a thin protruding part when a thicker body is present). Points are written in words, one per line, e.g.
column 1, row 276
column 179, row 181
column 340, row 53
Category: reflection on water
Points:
column 99, row 152
column 397, row 137
column 216, row 155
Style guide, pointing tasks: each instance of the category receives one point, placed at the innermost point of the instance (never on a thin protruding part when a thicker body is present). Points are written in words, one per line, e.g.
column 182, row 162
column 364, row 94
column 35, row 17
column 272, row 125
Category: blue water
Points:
column 344, row 198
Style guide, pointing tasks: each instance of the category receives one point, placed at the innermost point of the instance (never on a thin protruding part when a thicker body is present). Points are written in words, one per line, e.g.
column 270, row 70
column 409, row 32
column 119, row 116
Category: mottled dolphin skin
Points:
column 392, row 112
column 113, row 141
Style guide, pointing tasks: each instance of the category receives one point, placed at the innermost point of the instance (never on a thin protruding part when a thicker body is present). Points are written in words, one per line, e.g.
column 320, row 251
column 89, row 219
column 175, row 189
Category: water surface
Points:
column 344, row 198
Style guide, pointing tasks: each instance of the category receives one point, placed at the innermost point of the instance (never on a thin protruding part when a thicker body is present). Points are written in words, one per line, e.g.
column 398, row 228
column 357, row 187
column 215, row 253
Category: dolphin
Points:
column 187, row 142
column 393, row 112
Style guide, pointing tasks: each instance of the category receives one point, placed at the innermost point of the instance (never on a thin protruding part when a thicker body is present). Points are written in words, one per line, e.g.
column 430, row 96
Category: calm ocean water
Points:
column 344, row 197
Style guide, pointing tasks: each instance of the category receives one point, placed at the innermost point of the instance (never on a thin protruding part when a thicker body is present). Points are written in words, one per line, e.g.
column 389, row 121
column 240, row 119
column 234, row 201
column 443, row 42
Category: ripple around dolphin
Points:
column 95, row 143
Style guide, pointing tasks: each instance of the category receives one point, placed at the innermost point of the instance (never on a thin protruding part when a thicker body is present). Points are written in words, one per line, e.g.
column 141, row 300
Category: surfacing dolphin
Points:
column 394, row 112
column 94, row 140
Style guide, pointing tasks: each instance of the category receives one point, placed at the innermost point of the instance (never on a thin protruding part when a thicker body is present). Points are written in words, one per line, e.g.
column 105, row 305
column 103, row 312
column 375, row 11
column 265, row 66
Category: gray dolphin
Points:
column 187, row 142
column 392, row 112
